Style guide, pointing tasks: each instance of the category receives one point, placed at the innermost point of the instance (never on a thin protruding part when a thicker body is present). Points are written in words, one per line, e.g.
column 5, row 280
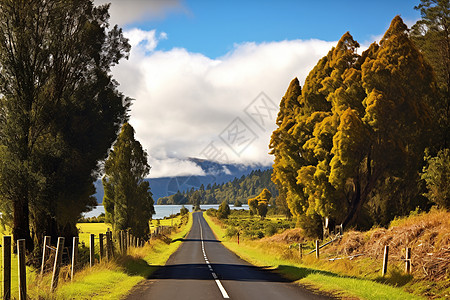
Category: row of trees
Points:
column 350, row 145
column 239, row 189
column 60, row 111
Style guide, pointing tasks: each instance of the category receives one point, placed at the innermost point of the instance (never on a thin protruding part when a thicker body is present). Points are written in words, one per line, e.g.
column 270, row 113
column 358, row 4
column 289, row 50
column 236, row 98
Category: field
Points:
column 106, row 280
column 340, row 271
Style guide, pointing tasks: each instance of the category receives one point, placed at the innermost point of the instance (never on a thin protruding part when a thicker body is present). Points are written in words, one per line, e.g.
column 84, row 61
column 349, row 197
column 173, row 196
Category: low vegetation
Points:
column 350, row 266
column 107, row 280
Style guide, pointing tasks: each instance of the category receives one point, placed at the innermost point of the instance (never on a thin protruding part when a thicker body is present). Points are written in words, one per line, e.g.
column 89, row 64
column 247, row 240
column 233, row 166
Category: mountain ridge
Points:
column 215, row 173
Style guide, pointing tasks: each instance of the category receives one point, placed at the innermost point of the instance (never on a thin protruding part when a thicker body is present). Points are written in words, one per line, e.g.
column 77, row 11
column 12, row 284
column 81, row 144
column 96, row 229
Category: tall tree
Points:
column 60, row 110
column 128, row 201
column 285, row 147
column 432, row 35
column 196, row 199
column 361, row 127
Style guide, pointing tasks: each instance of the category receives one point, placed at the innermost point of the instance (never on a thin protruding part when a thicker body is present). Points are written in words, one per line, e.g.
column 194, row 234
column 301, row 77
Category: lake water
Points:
column 163, row 210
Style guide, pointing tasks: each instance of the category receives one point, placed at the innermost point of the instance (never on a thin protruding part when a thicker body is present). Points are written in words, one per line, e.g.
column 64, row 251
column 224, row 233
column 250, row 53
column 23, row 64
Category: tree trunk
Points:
column 21, row 225
column 354, row 207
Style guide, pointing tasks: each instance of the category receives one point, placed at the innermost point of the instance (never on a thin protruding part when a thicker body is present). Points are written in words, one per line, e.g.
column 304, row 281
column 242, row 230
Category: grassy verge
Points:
column 262, row 254
column 114, row 279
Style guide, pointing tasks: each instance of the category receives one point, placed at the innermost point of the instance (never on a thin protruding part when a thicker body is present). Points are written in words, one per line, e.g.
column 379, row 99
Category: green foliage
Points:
column 128, row 201
column 351, row 142
column 98, row 219
column 61, row 111
column 224, row 210
column 184, row 210
column 436, row 175
column 212, row 212
column 254, row 228
column 235, row 190
column 196, row 199
column 260, row 203
column 431, row 35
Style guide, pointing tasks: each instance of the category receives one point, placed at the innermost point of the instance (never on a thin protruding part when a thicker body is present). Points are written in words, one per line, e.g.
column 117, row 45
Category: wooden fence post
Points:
column 111, row 245
column 74, row 256
column 57, row 265
column 6, row 267
column 408, row 261
column 22, row 269
column 300, row 250
column 385, row 260
column 119, row 240
column 317, row 249
column 45, row 252
column 111, row 236
column 91, row 250
column 100, row 243
column 108, row 256
column 122, row 240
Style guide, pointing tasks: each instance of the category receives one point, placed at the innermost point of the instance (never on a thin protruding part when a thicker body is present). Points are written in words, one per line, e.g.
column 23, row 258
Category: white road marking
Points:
column 214, row 275
column 222, row 289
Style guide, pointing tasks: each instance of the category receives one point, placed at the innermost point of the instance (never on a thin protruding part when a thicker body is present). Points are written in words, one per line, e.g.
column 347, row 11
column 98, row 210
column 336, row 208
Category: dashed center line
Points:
column 214, row 275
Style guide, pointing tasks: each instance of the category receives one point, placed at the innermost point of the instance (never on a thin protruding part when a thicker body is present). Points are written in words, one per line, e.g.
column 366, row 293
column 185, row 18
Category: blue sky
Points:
column 213, row 27
column 197, row 68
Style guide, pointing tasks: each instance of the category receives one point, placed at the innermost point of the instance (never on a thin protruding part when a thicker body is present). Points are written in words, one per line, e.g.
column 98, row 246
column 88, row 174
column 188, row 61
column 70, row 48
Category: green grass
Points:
column 321, row 280
column 115, row 279
column 85, row 229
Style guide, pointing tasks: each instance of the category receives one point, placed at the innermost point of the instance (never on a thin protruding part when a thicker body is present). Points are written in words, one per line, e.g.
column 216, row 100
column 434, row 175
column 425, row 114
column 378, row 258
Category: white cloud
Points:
column 174, row 167
column 125, row 12
column 185, row 100
column 144, row 40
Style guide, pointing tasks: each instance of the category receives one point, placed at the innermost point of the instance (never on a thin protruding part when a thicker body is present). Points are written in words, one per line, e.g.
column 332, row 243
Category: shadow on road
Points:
column 196, row 240
column 233, row 272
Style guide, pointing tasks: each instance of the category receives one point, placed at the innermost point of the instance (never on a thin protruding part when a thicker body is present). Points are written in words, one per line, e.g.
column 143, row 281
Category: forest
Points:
column 366, row 137
column 240, row 189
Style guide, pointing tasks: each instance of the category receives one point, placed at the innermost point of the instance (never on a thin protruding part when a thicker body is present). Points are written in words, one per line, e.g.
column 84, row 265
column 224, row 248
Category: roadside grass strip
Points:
column 314, row 279
column 114, row 279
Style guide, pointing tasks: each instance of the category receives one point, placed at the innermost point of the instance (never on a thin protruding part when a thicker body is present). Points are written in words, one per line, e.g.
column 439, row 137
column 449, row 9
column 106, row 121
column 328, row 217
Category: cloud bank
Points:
column 189, row 105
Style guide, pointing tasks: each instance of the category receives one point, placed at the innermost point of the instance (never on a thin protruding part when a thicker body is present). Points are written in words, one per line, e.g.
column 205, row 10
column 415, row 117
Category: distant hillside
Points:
column 240, row 189
column 216, row 173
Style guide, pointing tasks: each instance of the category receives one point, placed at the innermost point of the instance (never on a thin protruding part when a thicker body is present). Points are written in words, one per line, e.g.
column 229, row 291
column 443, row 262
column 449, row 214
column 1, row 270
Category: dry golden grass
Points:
column 427, row 234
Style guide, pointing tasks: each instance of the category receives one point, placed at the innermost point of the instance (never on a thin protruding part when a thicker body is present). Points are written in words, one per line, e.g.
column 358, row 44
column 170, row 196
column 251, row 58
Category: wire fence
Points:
column 106, row 246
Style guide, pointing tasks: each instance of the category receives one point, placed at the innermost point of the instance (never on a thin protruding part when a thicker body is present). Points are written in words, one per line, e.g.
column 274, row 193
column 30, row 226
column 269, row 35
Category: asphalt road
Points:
column 202, row 268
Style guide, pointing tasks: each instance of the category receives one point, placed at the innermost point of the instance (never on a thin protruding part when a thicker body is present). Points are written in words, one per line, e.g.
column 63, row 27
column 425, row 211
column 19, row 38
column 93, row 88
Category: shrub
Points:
column 231, row 231
column 184, row 210
column 270, row 230
column 211, row 212
column 224, row 210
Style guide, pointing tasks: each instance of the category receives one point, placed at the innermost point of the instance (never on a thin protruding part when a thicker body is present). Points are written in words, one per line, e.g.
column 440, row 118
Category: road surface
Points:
column 202, row 268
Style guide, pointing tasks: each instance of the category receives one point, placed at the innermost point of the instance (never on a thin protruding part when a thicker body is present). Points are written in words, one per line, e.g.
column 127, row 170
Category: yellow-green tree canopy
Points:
column 360, row 123
column 260, row 203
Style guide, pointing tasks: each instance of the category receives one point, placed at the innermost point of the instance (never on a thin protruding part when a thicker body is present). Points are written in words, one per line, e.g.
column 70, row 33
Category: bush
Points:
column 231, row 231
column 270, row 230
column 224, row 210
column 212, row 212
column 184, row 210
